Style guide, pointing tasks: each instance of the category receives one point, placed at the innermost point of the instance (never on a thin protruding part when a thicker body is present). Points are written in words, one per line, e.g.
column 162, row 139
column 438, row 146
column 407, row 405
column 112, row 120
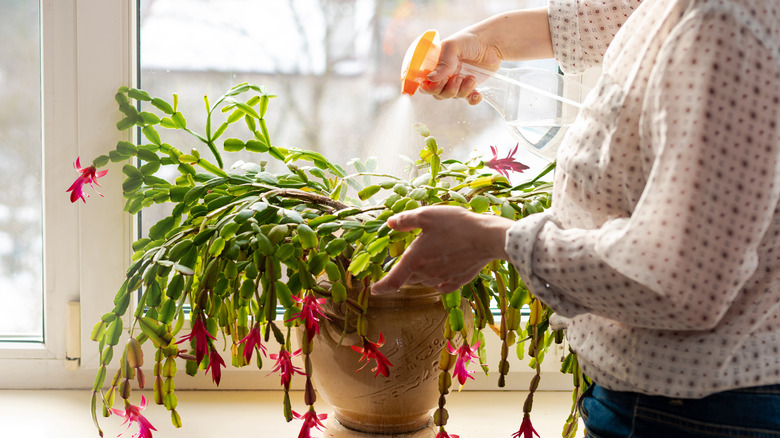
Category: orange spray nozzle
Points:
column 421, row 58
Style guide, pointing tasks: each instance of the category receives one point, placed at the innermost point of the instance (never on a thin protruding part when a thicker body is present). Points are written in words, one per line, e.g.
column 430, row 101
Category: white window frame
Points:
column 87, row 53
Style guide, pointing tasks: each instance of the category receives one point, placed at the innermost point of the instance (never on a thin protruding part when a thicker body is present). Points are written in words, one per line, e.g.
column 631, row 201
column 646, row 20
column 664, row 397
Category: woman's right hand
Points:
column 447, row 81
column 511, row 36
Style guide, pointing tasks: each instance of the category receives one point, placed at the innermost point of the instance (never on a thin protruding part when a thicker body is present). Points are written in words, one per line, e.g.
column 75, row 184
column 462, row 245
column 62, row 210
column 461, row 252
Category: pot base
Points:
column 337, row 430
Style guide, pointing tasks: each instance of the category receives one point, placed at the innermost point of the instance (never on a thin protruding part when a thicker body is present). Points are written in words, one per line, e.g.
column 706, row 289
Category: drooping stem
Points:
column 529, row 400
column 446, row 362
column 503, row 367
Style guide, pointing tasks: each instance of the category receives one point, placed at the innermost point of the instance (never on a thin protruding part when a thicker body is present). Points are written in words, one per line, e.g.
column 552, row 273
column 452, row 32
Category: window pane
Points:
column 335, row 66
column 21, row 285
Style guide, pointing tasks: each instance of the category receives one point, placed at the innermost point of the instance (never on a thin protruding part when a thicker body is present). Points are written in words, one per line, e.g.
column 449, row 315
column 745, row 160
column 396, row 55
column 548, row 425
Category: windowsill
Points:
column 65, row 413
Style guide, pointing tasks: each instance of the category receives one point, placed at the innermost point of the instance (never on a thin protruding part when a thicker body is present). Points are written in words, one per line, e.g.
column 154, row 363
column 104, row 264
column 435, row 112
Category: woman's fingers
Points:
column 406, row 221
column 451, row 249
column 457, row 87
column 393, row 281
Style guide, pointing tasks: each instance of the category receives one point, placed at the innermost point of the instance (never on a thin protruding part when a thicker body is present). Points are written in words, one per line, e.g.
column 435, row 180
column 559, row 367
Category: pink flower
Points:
column 251, row 341
column 310, row 314
column 310, row 420
column 215, row 362
column 465, row 354
column 504, row 165
column 443, row 434
column 370, row 351
column 526, row 429
column 201, row 335
column 89, row 175
column 285, row 366
column 132, row 414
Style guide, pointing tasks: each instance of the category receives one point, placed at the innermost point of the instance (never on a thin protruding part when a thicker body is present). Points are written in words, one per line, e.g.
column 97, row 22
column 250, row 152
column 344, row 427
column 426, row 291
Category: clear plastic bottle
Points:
column 537, row 105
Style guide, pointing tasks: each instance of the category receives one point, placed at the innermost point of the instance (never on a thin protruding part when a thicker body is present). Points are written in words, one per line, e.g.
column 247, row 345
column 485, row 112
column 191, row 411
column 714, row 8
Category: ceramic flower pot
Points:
column 412, row 323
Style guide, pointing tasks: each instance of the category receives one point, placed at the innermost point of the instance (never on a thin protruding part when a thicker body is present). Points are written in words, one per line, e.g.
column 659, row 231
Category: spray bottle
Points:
column 537, row 105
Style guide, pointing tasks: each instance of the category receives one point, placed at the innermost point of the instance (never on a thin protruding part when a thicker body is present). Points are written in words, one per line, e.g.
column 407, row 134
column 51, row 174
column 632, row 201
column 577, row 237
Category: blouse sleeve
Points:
column 582, row 30
column 710, row 121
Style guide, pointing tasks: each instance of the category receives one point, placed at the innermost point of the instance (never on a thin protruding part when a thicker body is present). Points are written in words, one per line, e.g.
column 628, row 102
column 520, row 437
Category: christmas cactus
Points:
column 243, row 251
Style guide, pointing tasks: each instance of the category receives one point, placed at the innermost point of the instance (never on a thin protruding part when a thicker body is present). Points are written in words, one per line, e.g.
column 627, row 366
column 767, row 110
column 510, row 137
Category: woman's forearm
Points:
column 517, row 35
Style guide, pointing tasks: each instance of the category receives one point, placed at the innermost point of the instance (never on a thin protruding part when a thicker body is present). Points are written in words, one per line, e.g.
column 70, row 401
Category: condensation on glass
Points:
column 334, row 65
column 21, row 239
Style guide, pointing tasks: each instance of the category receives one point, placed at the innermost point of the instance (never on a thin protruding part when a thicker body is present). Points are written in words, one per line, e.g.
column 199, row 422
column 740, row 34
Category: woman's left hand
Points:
column 452, row 248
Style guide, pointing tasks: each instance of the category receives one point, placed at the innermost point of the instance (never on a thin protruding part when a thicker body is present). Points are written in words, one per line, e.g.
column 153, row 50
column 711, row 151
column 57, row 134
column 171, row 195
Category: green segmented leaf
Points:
column 338, row 292
column 307, row 236
column 456, row 319
column 149, row 118
column 328, row 228
column 137, row 94
column 98, row 331
column 479, row 204
column 368, row 192
column 233, row 145
column 178, row 120
column 162, row 105
column 378, row 245
column 359, row 263
column 317, row 263
column 150, row 328
column 114, row 332
column 151, row 134
column 161, row 228
column 257, row 146
column 332, row 271
column 126, row 148
column 336, row 246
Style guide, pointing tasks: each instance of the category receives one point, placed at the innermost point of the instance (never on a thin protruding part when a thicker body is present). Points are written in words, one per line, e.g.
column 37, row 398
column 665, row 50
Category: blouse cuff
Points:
column 565, row 34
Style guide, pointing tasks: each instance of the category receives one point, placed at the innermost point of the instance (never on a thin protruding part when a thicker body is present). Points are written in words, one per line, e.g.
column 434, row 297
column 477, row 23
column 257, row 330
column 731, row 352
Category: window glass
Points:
column 335, row 66
column 21, row 285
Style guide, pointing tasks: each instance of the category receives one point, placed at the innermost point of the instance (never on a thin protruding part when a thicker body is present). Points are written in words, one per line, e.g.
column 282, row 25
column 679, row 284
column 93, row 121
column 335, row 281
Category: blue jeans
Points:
column 748, row 412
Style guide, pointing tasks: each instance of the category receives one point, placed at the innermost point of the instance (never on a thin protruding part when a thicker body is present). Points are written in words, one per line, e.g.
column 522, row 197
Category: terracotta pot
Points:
column 412, row 322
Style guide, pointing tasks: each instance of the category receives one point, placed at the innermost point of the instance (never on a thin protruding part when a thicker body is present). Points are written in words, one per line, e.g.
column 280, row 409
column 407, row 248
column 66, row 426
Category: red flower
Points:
column 370, row 351
column 215, row 362
column 526, row 429
column 89, row 175
column 251, row 341
column 310, row 420
column 465, row 354
column 132, row 414
column 285, row 366
column 310, row 314
column 201, row 335
column 443, row 434
column 504, row 165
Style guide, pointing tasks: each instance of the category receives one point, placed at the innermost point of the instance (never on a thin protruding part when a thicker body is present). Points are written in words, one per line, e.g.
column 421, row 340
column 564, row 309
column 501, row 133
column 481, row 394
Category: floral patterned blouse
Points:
column 662, row 247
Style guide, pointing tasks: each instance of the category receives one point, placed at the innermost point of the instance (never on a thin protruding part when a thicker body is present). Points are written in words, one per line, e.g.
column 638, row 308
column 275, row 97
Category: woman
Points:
column 661, row 246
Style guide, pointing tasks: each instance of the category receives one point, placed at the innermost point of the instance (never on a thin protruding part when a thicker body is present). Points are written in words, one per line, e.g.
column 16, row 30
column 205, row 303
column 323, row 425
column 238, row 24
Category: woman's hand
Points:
column 447, row 81
column 511, row 36
column 452, row 248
